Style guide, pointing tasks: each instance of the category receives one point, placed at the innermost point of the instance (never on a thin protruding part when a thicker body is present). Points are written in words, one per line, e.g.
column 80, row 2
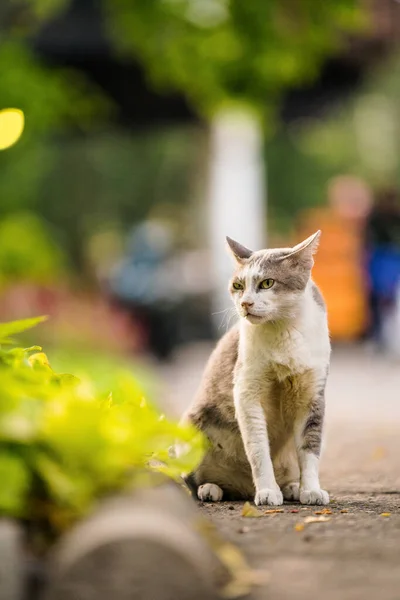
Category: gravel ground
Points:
column 355, row 554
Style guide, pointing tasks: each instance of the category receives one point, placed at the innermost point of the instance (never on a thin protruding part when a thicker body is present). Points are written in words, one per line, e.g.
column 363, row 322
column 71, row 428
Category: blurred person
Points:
column 382, row 244
column 339, row 271
column 146, row 282
column 165, row 287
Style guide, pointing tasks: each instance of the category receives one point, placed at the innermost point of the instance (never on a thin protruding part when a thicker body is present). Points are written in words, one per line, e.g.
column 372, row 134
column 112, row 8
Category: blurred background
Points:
column 153, row 128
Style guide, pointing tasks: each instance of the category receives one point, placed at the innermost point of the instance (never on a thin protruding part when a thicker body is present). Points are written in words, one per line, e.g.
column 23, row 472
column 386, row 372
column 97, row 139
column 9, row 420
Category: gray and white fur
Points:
column 262, row 397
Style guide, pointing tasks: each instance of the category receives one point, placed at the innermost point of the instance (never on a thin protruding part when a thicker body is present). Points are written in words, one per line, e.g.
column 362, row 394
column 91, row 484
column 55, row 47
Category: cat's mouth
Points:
column 253, row 318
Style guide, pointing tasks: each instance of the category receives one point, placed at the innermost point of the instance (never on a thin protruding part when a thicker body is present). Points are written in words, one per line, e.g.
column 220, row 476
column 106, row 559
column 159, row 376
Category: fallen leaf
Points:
column 299, row 527
column 379, row 453
column 295, row 510
column 250, row 511
column 316, row 519
column 324, row 511
column 241, row 577
column 244, row 582
column 344, row 510
column 272, row 511
column 385, row 514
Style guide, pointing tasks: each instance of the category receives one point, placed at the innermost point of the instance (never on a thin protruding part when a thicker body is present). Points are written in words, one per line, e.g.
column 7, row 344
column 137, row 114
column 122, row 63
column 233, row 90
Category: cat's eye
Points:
column 266, row 284
column 237, row 285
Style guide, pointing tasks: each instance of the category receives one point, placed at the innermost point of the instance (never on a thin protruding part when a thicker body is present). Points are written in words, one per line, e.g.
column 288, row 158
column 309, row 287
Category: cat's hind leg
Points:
column 218, row 477
column 210, row 492
column 287, row 474
column 291, row 491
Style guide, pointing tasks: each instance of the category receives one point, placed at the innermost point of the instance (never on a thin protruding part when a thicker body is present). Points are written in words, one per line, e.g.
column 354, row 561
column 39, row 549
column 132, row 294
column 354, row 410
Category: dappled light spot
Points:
column 12, row 122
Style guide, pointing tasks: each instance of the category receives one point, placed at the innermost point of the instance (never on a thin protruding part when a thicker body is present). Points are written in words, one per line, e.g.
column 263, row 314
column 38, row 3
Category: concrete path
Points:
column 355, row 554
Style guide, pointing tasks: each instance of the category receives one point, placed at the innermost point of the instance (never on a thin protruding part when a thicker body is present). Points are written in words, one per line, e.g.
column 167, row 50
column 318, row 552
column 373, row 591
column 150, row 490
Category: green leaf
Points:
column 12, row 328
column 59, row 482
column 15, row 479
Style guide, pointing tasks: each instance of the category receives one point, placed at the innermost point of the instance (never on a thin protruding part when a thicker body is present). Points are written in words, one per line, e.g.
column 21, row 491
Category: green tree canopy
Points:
column 229, row 51
column 216, row 51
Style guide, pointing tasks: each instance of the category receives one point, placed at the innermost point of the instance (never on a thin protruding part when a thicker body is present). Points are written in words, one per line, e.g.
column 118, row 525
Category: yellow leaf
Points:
column 250, row 511
column 379, row 453
column 385, row 514
column 316, row 519
column 241, row 577
column 272, row 511
column 12, row 123
column 299, row 527
column 344, row 510
column 324, row 511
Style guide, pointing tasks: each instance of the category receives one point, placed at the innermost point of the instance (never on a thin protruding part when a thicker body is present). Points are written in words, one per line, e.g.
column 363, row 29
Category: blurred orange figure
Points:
column 339, row 270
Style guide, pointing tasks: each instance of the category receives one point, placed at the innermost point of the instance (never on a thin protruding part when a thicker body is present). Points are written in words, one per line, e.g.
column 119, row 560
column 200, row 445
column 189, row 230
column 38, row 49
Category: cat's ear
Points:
column 303, row 253
column 239, row 252
column 309, row 245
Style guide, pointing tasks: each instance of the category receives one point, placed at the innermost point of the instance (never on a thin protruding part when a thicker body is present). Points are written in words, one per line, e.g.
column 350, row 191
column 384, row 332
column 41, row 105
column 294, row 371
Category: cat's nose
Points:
column 247, row 304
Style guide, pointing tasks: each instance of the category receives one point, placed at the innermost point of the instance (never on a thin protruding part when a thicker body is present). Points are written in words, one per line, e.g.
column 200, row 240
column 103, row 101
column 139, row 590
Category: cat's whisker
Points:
column 227, row 318
column 218, row 312
column 225, row 314
column 232, row 314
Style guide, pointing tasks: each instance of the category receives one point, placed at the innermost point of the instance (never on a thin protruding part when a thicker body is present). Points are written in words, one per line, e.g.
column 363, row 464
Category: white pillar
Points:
column 237, row 198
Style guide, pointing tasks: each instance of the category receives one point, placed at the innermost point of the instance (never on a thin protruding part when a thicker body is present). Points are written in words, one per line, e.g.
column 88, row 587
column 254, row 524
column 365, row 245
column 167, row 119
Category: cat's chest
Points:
column 280, row 356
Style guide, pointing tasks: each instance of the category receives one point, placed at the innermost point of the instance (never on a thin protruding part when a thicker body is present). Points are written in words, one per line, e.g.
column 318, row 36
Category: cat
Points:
column 262, row 397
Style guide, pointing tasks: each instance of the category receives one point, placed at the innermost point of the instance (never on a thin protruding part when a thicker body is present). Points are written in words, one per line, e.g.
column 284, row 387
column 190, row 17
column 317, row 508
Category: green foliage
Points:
column 12, row 328
column 359, row 137
column 362, row 135
column 215, row 52
column 52, row 101
column 230, row 51
column 295, row 182
column 66, row 442
column 37, row 10
column 28, row 251
column 117, row 179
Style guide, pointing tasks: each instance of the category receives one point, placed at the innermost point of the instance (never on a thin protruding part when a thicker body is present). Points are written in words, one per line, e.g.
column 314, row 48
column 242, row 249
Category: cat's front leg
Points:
column 308, row 437
column 253, row 428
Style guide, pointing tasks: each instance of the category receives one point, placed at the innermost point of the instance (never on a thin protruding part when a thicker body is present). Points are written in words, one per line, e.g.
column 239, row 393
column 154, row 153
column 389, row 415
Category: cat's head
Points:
column 268, row 285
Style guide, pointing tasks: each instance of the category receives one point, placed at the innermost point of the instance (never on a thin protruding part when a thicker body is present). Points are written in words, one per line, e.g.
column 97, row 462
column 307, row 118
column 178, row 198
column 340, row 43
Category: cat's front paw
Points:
column 210, row 492
column 269, row 496
column 291, row 491
column 316, row 496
